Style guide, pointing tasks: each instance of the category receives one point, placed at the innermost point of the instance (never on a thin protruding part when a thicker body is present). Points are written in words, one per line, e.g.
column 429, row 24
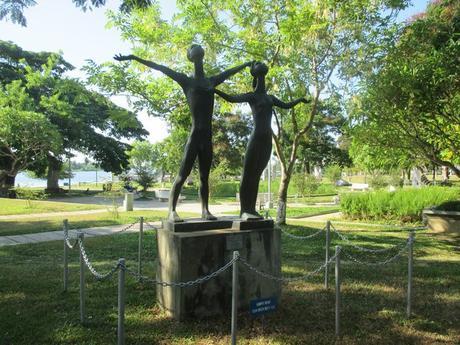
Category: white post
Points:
column 328, row 240
column 337, row 291
column 234, row 297
column 121, row 302
column 81, row 237
column 141, row 235
column 270, row 202
column 410, row 266
column 66, row 259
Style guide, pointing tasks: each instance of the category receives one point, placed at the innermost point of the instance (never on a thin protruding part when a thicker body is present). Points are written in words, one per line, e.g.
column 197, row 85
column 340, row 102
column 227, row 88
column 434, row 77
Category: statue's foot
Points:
column 206, row 215
column 251, row 216
column 174, row 217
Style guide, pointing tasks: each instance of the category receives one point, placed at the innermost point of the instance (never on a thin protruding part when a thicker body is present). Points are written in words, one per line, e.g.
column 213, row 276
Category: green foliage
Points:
column 378, row 181
column 14, row 9
column 403, row 205
column 84, row 120
column 29, row 195
column 408, row 110
column 333, row 172
column 216, row 176
column 143, row 157
column 306, row 184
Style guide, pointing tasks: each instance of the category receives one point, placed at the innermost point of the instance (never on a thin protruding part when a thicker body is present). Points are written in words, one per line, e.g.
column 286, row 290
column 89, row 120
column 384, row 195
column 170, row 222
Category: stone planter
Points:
column 442, row 221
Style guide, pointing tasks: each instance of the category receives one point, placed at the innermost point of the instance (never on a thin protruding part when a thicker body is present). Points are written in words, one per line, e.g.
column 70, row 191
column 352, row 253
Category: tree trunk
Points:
column 7, row 186
column 282, row 196
column 54, row 169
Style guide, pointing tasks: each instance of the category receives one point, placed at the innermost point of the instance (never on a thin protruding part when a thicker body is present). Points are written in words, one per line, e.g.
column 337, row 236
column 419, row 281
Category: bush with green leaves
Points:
column 403, row 205
column 29, row 195
column 333, row 172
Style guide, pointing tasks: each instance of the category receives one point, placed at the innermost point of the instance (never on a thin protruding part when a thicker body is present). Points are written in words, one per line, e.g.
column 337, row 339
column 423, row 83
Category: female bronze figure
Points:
column 260, row 142
column 199, row 91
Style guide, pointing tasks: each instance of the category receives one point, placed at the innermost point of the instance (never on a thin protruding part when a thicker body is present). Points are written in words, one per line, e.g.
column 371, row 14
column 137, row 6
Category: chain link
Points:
column 183, row 284
column 288, row 234
column 364, row 249
column 150, row 225
column 379, row 263
column 284, row 279
column 126, row 228
column 67, row 239
column 99, row 276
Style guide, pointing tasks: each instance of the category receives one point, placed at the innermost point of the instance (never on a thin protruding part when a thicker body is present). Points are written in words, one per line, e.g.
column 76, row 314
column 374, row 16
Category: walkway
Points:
column 59, row 235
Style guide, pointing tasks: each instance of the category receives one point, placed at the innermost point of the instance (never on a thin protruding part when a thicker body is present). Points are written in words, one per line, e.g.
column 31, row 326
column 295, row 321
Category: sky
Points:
column 57, row 25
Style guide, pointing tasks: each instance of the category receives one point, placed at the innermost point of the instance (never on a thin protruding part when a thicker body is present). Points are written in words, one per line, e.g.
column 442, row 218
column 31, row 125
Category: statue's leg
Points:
column 257, row 157
column 250, row 181
column 190, row 153
column 204, row 165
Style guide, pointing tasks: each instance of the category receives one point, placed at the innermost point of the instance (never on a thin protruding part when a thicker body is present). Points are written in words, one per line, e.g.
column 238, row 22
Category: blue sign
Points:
column 263, row 305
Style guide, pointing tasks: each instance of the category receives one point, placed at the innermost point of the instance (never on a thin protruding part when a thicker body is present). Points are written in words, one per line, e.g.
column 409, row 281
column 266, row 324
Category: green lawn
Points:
column 34, row 310
column 17, row 206
column 299, row 212
column 22, row 226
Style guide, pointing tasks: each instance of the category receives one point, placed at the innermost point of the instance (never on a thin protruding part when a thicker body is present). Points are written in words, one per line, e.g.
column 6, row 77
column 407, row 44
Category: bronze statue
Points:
column 260, row 142
column 199, row 91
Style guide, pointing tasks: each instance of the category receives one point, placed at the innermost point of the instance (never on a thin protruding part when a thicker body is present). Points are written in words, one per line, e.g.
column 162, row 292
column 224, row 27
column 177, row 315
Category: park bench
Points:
column 262, row 199
column 163, row 195
column 359, row 186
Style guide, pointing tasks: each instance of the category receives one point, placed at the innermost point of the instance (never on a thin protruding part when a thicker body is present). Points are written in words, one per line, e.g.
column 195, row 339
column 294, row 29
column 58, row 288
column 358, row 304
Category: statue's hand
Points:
column 120, row 57
column 306, row 100
column 250, row 63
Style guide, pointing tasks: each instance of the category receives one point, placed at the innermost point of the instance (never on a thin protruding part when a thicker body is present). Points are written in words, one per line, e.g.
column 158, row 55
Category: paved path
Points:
column 150, row 205
column 59, row 235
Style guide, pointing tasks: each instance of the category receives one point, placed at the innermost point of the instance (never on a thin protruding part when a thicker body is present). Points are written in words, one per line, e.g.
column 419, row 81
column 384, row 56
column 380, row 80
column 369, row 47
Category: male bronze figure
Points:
column 199, row 91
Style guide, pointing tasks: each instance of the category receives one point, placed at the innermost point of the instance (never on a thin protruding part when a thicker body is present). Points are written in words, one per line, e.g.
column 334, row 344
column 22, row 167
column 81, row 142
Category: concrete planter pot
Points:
column 442, row 221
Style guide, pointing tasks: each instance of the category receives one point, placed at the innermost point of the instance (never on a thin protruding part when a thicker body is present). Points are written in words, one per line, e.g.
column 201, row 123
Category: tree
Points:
column 87, row 121
column 14, row 9
column 305, row 44
column 25, row 136
column 143, row 157
column 409, row 109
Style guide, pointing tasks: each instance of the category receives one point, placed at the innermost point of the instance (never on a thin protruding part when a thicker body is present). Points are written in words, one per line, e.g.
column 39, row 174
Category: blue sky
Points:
column 57, row 25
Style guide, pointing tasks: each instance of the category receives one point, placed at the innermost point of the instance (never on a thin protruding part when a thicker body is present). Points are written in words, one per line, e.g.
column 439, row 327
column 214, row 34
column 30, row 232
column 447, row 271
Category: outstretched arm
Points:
column 176, row 76
column 220, row 78
column 245, row 97
column 288, row 105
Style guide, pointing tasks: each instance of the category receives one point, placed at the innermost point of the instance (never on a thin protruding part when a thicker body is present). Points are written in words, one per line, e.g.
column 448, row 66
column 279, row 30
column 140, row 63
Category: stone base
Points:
column 186, row 256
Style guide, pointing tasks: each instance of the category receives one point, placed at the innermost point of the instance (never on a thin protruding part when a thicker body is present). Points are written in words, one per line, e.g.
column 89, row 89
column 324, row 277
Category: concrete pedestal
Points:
column 186, row 256
column 128, row 202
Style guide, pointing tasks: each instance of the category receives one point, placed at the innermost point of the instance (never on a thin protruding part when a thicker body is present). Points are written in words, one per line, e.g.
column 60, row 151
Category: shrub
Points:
column 404, row 205
column 378, row 181
column 333, row 173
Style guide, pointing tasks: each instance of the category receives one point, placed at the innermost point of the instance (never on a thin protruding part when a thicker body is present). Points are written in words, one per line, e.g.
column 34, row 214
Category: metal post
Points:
column 81, row 237
column 234, row 297
column 410, row 266
column 328, row 240
column 141, row 235
column 121, row 302
column 66, row 259
column 337, row 291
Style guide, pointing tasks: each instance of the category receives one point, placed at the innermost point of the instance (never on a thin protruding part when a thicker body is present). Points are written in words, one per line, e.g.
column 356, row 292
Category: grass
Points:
column 299, row 212
column 21, row 226
column 17, row 206
column 36, row 311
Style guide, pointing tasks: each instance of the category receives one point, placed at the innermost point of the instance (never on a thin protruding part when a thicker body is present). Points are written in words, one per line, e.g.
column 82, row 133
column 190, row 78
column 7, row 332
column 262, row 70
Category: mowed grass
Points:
column 21, row 226
column 18, row 206
column 299, row 212
column 34, row 310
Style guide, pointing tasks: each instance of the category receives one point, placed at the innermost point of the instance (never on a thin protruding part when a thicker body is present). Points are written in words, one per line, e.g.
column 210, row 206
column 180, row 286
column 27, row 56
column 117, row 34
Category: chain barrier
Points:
column 379, row 263
column 364, row 249
column 99, row 276
column 126, row 228
column 151, row 226
column 67, row 239
column 182, row 284
column 297, row 237
column 284, row 279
